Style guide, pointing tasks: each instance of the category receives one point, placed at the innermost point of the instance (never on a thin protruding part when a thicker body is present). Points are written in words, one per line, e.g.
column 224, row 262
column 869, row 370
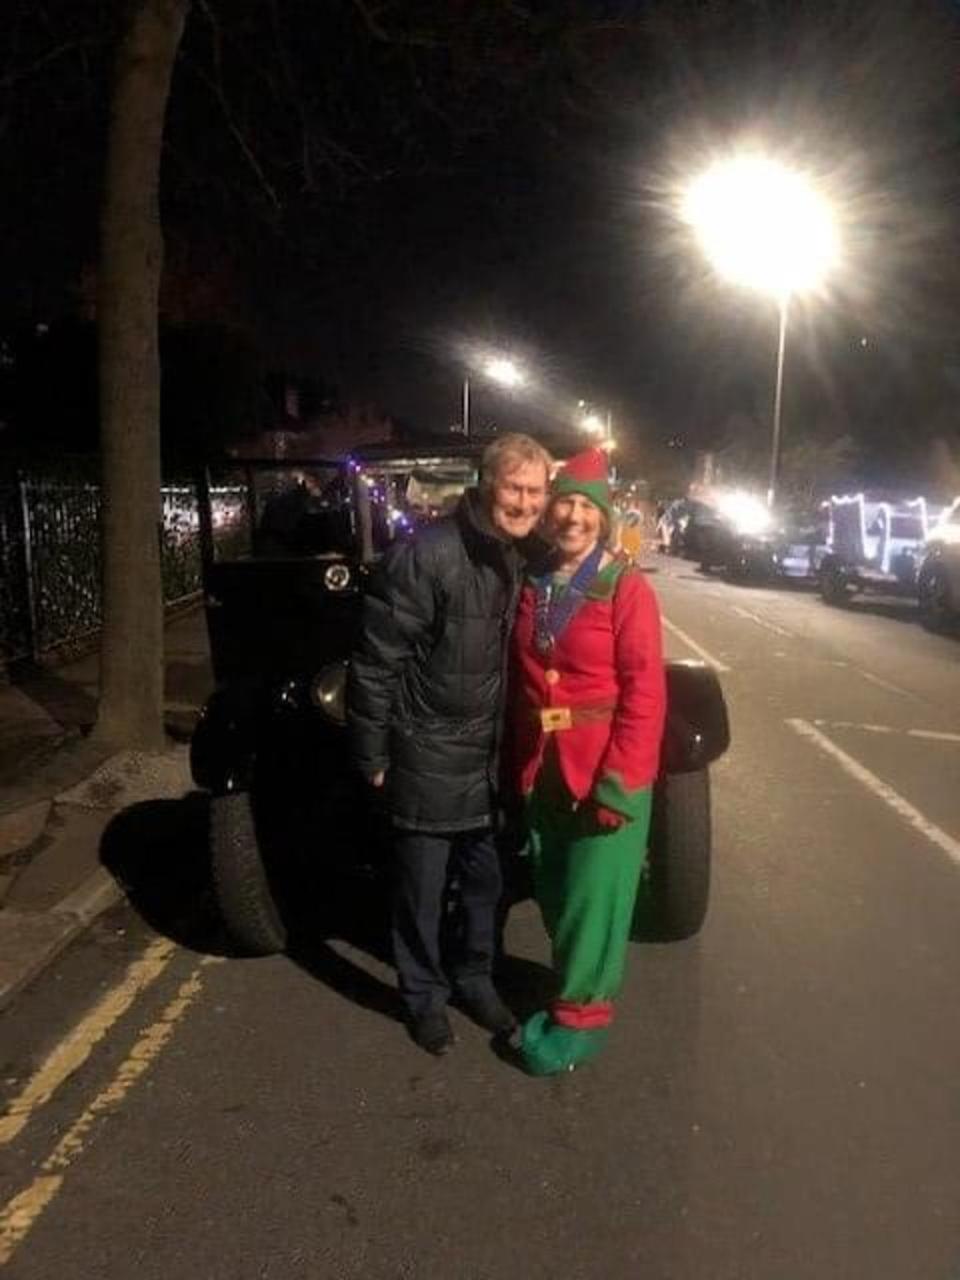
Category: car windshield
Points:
column 285, row 511
column 281, row 511
column 405, row 493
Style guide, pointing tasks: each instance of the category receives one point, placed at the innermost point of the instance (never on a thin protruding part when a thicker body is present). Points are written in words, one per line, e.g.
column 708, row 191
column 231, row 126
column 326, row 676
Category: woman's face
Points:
column 573, row 524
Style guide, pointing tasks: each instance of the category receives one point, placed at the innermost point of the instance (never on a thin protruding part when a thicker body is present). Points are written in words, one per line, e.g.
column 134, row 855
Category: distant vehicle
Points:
column 873, row 545
column 687, row 528
column 938, row 578
column 792, row 548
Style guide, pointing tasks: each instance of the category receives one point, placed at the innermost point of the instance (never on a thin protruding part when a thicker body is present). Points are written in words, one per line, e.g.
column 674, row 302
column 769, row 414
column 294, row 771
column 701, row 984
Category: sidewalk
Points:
column 58, row 795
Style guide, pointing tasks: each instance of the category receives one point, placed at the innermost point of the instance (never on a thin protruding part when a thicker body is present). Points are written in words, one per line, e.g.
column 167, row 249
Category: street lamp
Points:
column 591, row 422
column 765, row 226
column 499, row 369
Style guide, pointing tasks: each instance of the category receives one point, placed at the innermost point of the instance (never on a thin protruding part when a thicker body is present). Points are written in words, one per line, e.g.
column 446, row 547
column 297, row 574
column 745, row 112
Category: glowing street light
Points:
column 595, row 425
column 767, row 227
column 499, row 369
column 505, row 372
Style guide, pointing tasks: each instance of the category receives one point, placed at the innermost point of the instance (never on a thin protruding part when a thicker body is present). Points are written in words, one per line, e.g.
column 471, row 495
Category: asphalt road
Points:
column 779, row 1100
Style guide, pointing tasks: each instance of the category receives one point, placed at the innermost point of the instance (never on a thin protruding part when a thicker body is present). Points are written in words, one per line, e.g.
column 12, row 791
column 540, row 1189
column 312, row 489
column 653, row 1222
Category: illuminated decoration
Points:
column 946, row 530
column 874, row 532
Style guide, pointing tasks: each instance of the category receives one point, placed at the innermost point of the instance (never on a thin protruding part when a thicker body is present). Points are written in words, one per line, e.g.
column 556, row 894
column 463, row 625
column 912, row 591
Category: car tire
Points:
column 933, row 595
column 241, row 886
column 835, row 587
column 675, row 888
column 737, row 570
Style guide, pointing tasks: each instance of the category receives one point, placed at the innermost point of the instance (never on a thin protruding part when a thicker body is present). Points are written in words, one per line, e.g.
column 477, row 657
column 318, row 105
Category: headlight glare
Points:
column 328, row 692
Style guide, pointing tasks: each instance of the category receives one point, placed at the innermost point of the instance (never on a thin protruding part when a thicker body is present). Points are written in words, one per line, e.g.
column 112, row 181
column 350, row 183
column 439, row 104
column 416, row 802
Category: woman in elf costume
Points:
column 589, row 700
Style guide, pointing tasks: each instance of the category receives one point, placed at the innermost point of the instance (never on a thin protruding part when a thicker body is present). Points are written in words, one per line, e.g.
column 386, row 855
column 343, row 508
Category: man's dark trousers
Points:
column 425, row 863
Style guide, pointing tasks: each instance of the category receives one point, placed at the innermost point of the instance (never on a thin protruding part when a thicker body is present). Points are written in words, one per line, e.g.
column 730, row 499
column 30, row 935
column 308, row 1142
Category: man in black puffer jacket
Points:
column 424, row 704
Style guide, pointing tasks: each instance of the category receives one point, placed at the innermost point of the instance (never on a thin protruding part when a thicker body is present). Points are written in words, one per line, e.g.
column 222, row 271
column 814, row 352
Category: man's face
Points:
column 518, row 498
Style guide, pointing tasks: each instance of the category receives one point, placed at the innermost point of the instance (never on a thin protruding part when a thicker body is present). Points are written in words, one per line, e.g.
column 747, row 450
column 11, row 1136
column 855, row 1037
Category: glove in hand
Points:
column 608, row 819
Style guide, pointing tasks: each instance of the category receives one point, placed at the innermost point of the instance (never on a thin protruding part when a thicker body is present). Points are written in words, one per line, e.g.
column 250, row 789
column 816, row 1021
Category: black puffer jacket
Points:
column 425, row 685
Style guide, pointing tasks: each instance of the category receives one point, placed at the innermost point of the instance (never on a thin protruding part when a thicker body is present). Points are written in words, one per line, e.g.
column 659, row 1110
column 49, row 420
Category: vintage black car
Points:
column 287, row 550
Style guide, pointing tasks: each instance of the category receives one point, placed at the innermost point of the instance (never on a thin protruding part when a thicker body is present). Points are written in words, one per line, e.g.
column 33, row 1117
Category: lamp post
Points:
column 499, row 369
column 595, row 425
column 763, row 225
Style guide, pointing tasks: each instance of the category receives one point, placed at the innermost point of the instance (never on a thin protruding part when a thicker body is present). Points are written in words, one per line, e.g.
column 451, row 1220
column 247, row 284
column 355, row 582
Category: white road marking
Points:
column 854, row 724
column 762, row 622
column 911, row 815
column 692, row 644
column 74, row 1049
column 932, row 735
column 884, row 684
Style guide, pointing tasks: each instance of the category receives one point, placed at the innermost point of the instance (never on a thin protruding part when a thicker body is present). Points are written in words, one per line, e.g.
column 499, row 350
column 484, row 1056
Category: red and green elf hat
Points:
column 586, row 473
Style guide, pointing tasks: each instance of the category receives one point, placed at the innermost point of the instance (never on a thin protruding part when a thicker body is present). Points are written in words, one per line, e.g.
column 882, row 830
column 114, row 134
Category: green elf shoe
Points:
column 548, row 1048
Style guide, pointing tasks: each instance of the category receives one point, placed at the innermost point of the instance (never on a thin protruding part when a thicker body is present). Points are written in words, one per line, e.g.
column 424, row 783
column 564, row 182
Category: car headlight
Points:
column 337, row 577
column 328, row 692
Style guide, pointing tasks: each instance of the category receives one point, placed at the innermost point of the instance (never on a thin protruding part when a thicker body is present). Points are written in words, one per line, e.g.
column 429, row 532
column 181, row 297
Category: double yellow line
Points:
column 18, row 1216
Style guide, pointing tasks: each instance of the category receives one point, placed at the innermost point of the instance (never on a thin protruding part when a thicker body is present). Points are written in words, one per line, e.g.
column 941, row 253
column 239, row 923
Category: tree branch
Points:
column 215, row 85
column 379, row 32
column 13, row 77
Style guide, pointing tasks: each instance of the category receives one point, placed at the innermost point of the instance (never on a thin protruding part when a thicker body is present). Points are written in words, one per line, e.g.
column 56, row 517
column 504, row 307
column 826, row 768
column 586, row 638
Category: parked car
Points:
column 938, row 578
column 290, row 819
column 791, row 549
column 688, row 527
column 873, row 544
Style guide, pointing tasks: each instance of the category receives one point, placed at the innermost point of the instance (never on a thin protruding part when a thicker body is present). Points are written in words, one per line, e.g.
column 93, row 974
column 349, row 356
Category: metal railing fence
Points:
column 50, row 557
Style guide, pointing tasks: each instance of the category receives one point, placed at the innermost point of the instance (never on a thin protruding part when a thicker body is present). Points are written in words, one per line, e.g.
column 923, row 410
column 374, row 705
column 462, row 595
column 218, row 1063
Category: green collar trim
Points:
column 605, row 583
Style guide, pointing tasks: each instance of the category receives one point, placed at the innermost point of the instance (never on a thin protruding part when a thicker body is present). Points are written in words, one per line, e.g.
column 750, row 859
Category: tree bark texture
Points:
column 131, row 258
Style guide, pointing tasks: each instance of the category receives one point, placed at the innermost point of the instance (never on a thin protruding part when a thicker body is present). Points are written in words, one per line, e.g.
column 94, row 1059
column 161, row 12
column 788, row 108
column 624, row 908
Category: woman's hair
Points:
column 509, row 452
column 605, row 525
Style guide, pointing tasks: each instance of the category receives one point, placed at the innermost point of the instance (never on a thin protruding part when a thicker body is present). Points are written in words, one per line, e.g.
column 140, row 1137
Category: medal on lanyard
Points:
column 552, row 615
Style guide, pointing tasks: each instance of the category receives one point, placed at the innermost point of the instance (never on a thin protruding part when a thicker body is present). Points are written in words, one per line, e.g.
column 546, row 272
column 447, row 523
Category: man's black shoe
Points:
column 484, row 1007
column 432, row 1032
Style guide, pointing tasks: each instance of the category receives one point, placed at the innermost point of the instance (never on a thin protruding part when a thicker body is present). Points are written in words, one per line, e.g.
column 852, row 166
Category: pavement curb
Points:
column 31, row 940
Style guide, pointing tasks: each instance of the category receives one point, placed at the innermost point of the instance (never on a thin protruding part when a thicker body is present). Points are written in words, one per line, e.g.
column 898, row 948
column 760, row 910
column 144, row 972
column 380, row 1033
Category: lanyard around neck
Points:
column 555, row 612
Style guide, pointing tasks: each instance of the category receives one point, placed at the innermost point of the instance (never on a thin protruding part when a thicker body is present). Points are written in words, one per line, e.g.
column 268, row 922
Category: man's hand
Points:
column 376, row 779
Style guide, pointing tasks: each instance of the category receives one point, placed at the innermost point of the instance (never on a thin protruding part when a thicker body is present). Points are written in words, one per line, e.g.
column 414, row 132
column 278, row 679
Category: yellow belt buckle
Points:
column 554, row 718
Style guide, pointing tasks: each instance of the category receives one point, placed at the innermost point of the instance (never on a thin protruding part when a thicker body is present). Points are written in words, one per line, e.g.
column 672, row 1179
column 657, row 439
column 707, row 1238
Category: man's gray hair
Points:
column 507, row 453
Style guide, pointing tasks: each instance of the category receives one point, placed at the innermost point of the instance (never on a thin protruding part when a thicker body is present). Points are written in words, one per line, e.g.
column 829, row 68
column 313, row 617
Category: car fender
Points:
column 223, row 746
column 697, row 728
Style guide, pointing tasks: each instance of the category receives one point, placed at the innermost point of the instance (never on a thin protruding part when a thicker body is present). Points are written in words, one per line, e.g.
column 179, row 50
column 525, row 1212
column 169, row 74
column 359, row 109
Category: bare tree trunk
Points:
column 131, row 257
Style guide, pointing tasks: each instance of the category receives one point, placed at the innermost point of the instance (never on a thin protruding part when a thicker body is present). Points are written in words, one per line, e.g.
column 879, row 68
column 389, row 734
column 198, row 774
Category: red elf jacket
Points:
column 603, row 690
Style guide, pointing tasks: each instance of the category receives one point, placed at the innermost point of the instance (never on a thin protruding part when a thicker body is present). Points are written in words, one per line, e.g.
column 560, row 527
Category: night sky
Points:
column 480, row 175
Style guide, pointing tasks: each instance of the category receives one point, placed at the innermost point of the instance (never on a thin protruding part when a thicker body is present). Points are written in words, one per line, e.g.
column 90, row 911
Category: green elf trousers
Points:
column 585, row 880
